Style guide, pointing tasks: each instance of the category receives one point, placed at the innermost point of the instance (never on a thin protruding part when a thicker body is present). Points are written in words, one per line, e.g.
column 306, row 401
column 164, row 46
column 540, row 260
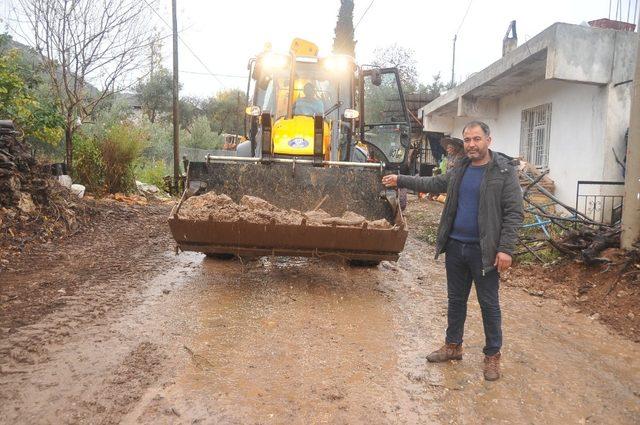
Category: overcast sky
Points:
column 225, row 34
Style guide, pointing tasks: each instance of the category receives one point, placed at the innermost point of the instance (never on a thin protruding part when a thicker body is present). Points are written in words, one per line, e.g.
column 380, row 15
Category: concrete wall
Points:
column 590, row 55
column 581, row 54
column 619, row 92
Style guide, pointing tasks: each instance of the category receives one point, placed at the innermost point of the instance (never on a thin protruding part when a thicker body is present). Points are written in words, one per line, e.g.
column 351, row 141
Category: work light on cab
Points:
column 337, row 63
column 273, row 61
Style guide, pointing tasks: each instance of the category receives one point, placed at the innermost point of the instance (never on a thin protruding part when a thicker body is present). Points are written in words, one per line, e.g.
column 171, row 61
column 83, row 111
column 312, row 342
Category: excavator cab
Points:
column 296, row 89
column 321, row 132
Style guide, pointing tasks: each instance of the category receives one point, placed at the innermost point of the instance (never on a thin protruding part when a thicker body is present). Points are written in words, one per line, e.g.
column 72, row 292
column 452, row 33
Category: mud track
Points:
column 111, row 327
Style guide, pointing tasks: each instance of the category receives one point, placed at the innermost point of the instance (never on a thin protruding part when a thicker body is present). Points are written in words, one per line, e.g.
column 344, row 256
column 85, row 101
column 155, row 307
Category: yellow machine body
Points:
column 294, row 136
column 303, row 47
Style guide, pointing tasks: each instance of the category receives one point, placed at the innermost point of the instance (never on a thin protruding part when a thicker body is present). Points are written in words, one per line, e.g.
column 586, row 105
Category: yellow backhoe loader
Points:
column 320, row 131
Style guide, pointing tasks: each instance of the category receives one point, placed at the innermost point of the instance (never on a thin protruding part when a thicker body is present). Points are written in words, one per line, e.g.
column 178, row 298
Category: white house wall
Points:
column 617, row 123
column 577, row 132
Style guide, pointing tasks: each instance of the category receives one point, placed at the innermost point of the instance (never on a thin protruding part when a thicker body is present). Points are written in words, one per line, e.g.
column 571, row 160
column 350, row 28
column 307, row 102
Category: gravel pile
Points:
column 221, row 208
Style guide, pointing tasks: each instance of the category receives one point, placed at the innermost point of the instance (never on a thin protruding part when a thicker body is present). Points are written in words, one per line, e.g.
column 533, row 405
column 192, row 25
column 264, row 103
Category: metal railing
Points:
column 602, row 203
column 195, row 154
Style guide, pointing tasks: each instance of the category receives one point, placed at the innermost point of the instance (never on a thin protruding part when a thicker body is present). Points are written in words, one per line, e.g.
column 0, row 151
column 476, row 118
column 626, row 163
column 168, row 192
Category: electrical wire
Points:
column 186, row 45
column 213, row 75
column 610, row 1
column 464, row 17
column 363, row 15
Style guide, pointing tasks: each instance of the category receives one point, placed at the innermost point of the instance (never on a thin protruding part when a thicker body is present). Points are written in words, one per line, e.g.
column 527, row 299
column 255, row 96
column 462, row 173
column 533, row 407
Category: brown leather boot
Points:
column 449, row 351
column 492, row 367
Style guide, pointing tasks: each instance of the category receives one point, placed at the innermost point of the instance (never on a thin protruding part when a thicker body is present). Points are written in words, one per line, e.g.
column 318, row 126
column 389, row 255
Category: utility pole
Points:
column 631, row 206
column 453, row 62
column 176, row 108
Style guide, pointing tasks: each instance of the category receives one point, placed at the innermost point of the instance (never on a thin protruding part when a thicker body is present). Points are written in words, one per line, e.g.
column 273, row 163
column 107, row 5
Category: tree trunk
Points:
column 68, row 143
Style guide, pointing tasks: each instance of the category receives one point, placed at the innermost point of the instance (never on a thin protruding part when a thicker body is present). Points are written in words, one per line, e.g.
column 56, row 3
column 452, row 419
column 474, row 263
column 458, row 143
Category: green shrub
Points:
column 23, row 101
column 547, row 255
column 202, row 137
column 122, row 146
column 160, row 145
column 152, row 172
column 88, row 168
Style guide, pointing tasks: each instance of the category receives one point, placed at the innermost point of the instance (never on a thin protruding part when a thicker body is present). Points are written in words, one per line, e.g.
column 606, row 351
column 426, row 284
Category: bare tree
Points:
column 87, row 42
column 402, row 58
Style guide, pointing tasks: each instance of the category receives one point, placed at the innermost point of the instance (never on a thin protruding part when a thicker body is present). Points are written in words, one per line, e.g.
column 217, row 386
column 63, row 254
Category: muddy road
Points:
column 119, row 330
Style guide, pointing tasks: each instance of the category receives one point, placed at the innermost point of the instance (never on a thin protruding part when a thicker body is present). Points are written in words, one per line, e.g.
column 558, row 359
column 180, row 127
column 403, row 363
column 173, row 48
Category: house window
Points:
column 534, row 135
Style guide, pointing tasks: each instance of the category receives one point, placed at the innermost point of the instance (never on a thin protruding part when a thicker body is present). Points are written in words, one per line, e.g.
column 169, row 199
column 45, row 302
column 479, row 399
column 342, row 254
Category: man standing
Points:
column 477, row 231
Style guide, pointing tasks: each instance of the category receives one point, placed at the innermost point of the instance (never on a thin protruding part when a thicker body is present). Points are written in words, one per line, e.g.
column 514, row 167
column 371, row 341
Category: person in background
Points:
column 455, row 153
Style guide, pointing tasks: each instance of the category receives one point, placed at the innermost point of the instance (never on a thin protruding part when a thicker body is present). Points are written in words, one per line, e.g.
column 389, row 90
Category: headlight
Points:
column 337, row 63
column 273, row 61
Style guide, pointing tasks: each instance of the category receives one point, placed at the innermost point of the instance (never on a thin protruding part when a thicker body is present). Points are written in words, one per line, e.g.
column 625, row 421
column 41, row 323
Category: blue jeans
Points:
column 464, row 265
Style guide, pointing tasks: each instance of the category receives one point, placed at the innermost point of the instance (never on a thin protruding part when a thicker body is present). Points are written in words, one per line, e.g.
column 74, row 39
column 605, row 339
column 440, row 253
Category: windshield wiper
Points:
column 333, row 108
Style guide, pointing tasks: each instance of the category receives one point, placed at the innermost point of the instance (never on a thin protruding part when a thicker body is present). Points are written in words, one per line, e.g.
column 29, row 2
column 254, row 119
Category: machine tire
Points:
column 363, row 263
column 218, row 256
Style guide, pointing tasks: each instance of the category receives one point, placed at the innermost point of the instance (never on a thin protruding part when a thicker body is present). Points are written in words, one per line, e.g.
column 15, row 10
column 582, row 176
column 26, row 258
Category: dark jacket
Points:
column 499, row 210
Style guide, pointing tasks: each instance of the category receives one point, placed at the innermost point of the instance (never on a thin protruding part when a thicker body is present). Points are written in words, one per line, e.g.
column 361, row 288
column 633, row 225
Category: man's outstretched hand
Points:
column 503, row 262
column 390, row 180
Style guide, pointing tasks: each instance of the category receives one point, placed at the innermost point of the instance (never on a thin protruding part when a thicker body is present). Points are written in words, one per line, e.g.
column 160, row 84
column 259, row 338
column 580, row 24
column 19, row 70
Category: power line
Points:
column 214, row 75
column 363, row 15
column 465, row 16
column 455, row 38
column 185, row 44
column 610, row 1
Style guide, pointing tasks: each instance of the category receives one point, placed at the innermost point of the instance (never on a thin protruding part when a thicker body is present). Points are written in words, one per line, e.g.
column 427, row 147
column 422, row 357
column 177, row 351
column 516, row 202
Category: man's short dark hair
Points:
column 482, row 125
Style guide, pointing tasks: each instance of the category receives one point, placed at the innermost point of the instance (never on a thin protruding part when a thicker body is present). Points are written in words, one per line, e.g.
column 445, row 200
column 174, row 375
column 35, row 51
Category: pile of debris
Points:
column 17, row 182
column 33, row 205
column 561, row 226
column 221, row 208
column 528, row 173
column 587, row 243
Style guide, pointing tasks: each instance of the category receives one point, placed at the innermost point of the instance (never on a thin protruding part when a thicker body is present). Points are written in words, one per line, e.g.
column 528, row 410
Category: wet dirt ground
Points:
column 130, row 333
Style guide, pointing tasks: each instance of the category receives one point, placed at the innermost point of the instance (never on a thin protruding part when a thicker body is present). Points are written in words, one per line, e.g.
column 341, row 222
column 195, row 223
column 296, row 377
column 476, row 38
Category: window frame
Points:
column 535, row 123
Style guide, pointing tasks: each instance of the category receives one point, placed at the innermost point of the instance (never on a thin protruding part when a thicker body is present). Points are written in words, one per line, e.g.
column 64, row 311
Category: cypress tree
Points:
column 343, row 41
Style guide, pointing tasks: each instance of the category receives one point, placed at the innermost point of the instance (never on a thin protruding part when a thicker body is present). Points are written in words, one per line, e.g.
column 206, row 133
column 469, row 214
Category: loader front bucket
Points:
column 298, row 187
